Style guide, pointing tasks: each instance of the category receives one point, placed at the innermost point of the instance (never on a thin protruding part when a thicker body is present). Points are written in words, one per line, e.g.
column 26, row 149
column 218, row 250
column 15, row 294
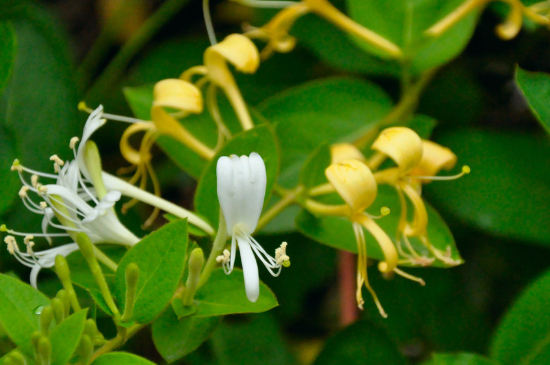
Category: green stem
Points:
column 104, row 259
column 131, row 48
column 217, row 249
column 406, row 106
column 288, row 197
column 116, row 342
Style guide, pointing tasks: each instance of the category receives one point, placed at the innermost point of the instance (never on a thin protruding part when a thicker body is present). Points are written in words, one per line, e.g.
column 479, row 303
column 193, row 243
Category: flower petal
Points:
column 250, row 270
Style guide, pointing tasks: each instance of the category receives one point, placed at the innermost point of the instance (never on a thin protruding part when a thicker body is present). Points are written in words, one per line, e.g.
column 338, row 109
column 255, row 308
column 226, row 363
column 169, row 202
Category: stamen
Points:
column 384, row 211
column 223, row 258
column 57, row 163
column 23, row 192
column 73, row 142
column 3, row 228
column 83, row 107
column 281, row 257
column 465, row 171
column 12, row 244
column 409, row 276
column 208, row 22
column 43, row 205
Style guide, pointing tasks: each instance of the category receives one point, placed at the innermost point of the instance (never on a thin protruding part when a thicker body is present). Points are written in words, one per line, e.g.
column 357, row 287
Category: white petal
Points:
column 34, row 275
column 226, row 191
column 93, row 123
column 250, row 270
column 255, row 191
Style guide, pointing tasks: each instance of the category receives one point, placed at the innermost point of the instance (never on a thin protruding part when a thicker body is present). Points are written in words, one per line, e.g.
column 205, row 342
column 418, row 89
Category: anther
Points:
column 12, row 244
column 73, row 142
column 57, row 162
column 43, row 205
column 83, row 107
column 23, row 192
column 224, row 258
column 3, row 228
column 281, row 257
column 34, row 181
column 385, row 211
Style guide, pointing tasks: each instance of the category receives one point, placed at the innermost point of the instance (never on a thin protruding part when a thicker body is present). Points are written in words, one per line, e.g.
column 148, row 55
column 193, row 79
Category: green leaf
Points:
column 313, row 171
column 404, row 22
column 254, row 339
column 17, row 312
column 423, row 125
column 459, row 359
column 535, row 86
column 161, row 259
column 362, row 343
column 81, row 275
column 66, row 337
column 175, row 338
column 7, row 52
column 28, row 111
column 260, row 139
column 335, row 48
column 508, row 190
column 523, row 336
column 337, row 232
column 224, row 294
column 340, row 109
column 121, row 358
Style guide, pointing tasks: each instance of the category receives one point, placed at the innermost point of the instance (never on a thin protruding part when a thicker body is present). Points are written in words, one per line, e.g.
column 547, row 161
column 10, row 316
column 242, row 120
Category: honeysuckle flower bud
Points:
column 241, row 191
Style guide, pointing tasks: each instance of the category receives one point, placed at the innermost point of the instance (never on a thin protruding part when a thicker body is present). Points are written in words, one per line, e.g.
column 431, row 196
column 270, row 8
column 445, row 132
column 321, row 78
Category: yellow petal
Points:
column 168, row 125
column 345, row 151
column 419, row 225
column 434, row 158
column 128, row 152
column 388, row 248
column 235, row 49
column 354, row 182
column 402, row 145
column 511, row 27
column 178, row 94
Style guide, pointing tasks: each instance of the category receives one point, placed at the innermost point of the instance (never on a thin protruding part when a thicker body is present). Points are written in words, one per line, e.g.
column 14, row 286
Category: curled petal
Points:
column 386, row 244
column 402, row 145
column 434, row 158
column 236, row 49
column 345, row 151
column 420, row 221
column 178, row 94
column 354, row 182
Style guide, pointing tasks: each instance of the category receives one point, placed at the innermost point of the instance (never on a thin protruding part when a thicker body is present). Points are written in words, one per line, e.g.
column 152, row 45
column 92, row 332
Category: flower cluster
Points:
column 351, row 175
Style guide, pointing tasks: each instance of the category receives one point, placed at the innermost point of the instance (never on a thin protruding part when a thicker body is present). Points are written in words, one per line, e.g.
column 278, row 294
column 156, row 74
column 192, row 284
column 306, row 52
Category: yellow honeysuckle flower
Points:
column 178, row 94
column 417, row 162
column 345, row 151
column 507, row 30
column 276, row 31
column 237, row 50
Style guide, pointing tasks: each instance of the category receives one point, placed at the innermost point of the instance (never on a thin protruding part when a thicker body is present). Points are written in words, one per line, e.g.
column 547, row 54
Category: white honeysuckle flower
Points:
column 37, row 260
column 241, row 191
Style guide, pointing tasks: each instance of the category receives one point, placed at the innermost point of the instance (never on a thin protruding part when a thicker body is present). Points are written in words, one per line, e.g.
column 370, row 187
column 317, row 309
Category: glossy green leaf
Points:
column 337, row 232
column 121, row 358
column 523, row 336
column 362, row 343
column 224, row 294
column 459, row 359
column 7, row 52
column 175, row 338
column 17, row 312
column 535, row 86
column 26, row 111
column 81, row 274
column 254, row 339
column 404, row 22
column 508, row 190
column 335, row 48
column 340, row 109
column 161, row 259
column 260, row 139
column 66, row 337
column 313, row 171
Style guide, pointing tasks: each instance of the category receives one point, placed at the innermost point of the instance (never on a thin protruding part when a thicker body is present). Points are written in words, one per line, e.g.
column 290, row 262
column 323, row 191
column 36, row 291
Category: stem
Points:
column 406, row 105
column 217, row 248
column 288, row 198
column 117, row 66
column 116, row 342
column 346, row 278
column 104, row 259
column 130, row 190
